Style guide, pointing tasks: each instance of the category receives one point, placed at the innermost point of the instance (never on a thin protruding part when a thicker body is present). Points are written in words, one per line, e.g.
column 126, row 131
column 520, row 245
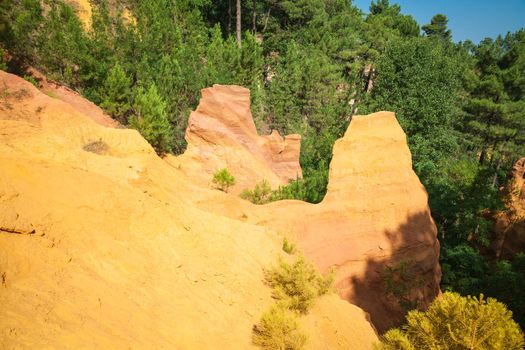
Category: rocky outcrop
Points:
column 374, row 226
column 380, row 225
column 508, row 231
column 102, row 244
column 221, row 134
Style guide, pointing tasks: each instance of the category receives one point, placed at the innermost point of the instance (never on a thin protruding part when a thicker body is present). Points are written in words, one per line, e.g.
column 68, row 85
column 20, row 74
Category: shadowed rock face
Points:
column 508, row 232
column 221, row 133
column 375, row 215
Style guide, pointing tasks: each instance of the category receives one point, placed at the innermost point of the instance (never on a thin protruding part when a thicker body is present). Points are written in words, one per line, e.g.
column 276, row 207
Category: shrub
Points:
column 400, row 280
column 297, row 284
column 98, row 147
column 3, row 65
column 32, row 80
column 296, row 189
column 223, row 180
column 289, row 248
column 456, row 322
column 278, row 330
column 261, row 194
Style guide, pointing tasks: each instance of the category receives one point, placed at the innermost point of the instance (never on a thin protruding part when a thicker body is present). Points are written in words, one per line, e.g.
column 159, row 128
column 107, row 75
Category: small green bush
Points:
column 297, row 284
column 289, row 248
column 400, row 280
column 3, row 65
column 223, row 180
column 457, row 322
column 32, row 80
column 278, row 330
column 296, row 189
column 261, row 194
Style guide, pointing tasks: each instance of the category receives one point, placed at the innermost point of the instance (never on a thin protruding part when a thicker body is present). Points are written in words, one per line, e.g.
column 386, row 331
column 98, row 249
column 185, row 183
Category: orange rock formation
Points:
column 221, row 134
column 375, row 215
column 508, row 232
column 102, row 244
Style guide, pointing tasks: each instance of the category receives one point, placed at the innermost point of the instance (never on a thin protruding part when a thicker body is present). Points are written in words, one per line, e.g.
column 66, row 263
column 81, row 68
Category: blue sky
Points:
column 468, row 19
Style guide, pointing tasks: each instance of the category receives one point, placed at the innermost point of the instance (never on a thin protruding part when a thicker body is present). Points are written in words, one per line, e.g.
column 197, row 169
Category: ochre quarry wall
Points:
column 374, row 218
column 103, row 246
column 221, row 134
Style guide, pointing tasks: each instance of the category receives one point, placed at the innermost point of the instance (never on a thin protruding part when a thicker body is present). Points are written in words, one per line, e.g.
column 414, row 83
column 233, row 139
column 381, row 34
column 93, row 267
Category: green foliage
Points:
column 32, row 80
column 463, row 269
column 419, row 79
column 458, row 195
column 400, row 280
column 278, row 330
column 3, row 63
column 223, row 180
column 116, row 94
column 261, row 194
column 456, row 322
column 438, row 27
column 466, row 271
column 289, row 248
column 297, row 284
column 150, row 119
column 19, row 21
column 495, row 110
column 62, row 45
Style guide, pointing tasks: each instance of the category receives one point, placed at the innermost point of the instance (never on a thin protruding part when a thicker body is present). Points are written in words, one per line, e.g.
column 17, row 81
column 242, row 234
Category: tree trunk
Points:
column 483, row 155
column 266, row 19
column 239, row 23
column 495, row 177
column 369, row 78
column 254, row 17
column 229, row 17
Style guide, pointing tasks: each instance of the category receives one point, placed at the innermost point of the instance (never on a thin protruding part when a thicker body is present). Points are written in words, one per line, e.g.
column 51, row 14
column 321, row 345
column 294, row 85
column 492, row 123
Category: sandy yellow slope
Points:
column 107, row 250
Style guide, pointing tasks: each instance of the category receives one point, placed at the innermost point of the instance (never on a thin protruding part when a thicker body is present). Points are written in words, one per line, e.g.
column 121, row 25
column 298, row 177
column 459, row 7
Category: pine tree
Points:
column 438, row 27
column 495, row 108
column 222, row 59
column 456, row 322
column 151, row 120
column 116, row 94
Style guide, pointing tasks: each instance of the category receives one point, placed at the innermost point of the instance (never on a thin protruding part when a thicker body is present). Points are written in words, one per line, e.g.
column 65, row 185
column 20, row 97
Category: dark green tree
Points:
column 116, row 94
column 419, row 79
column 150, row 119
column 496, row 106
column 438, row 27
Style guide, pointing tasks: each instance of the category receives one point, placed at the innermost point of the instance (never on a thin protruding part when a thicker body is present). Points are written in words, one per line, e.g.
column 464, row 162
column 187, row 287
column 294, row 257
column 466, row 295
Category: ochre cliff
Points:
column 374, row 219
column 102, row 243
column 508, row 231
column 374, row 216
column 221, row 133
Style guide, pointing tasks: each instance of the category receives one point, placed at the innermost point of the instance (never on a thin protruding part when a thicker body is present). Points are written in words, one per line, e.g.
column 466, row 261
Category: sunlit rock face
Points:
column 221, row 134
column 105, row 245
column 374, row 224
